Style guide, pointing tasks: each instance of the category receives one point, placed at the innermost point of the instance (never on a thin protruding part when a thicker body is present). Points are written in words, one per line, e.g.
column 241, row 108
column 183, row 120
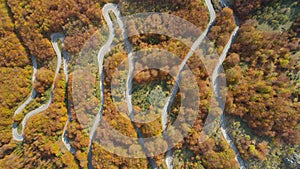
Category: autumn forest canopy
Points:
column 261, row 68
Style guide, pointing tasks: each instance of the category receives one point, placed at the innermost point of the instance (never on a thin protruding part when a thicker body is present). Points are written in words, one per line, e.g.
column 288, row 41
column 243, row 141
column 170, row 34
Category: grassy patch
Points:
column 278, row 16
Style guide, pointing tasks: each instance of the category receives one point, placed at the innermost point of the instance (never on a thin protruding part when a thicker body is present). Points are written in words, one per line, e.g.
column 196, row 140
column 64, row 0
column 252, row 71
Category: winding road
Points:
column 20, row 136
column 104, row 50
column 17, row 136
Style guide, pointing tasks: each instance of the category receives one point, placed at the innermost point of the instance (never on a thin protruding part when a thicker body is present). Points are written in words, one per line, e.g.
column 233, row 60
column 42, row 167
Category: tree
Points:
column 44, row 79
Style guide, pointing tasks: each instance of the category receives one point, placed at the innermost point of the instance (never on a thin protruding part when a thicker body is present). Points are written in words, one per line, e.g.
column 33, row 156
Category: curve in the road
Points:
column 20, row 136
column 33, row 92
column 110, row 7
column 104, row 50
column 30, row 98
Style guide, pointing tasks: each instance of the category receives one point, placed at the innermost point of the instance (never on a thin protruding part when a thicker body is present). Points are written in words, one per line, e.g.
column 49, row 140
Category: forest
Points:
column 262, row 72
column 15, row 65
column 263, row 83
